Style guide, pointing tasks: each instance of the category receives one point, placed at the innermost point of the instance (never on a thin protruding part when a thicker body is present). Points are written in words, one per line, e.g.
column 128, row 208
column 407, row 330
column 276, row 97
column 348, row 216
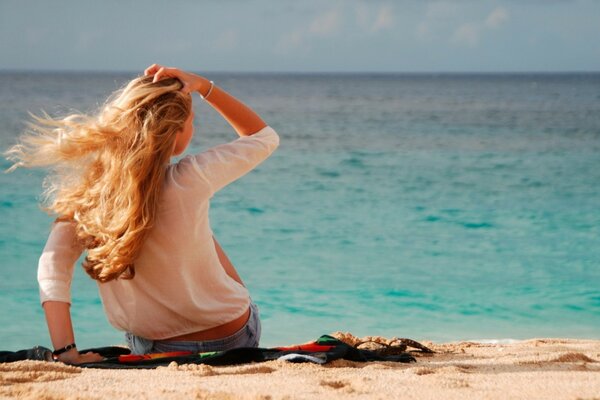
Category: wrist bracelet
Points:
column 212, row 84
column 64, row 349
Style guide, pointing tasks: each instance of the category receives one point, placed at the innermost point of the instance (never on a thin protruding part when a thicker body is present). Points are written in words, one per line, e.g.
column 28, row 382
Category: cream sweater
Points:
column 180, row 285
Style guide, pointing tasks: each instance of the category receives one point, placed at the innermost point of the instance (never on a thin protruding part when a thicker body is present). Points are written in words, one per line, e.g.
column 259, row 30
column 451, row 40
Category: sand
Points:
column 530, row 369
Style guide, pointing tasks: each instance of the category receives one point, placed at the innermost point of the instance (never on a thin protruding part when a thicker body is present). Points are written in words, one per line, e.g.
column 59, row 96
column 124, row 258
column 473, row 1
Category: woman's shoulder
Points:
column 184, row 176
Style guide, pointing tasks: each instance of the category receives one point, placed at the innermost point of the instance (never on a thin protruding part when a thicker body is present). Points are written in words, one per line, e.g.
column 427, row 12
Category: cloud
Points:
column 496, row 18
column 370, row 18
column 440, row 17
column 326, row 23
column 467, row 34
column 291, row 42
column 385, row 18
column 382, row 20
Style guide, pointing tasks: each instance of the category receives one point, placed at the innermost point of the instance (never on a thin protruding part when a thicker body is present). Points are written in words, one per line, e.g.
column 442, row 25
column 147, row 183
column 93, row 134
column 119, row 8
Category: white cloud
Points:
column 446, row 19
column 326, row 23
column 292, row 42
column 385, row 18
column 440, row 17
column 496, row 18
column 467, row 34
column 371, row 21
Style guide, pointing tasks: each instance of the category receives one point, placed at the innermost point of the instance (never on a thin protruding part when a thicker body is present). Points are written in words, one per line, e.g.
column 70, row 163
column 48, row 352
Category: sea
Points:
column 442, row 207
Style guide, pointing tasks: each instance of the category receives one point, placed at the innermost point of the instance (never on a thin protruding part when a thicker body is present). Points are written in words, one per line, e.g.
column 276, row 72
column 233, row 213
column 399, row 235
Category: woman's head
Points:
column 158, row 111
column 108, row 169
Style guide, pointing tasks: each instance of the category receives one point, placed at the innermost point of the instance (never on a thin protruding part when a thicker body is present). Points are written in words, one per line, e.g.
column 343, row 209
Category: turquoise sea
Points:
column 437, row 207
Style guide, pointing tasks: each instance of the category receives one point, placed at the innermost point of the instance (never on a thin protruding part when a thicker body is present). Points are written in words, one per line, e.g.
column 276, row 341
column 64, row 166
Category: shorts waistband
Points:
column 222, row 341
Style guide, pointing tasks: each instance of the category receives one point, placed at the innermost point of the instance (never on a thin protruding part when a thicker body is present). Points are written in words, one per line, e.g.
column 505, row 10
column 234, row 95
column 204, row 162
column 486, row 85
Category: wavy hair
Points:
column 107, row 170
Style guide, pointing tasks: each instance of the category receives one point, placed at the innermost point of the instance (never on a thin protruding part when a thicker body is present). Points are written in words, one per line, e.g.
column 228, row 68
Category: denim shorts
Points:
column 247, row 336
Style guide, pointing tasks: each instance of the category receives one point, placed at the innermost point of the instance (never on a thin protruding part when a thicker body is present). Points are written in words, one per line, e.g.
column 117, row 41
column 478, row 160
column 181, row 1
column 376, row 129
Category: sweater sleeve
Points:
column 56, row 264
column 223, row 164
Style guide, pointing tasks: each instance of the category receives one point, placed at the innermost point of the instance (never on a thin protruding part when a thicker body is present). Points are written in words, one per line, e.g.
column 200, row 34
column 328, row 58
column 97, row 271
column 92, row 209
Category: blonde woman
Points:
column 142, row 221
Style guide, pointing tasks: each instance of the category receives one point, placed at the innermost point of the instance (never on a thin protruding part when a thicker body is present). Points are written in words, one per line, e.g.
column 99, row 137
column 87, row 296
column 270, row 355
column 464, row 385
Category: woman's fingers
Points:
column 159, row 74
column 83, row 358
column 151, row 70
column 165, row 72
column 92, row 357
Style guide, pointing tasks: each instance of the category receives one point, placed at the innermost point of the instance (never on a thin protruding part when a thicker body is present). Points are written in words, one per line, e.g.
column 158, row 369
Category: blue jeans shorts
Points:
column 247, row 336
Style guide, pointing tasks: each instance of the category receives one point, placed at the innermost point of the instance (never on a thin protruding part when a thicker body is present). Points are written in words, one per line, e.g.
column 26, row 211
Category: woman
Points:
column 143, row 222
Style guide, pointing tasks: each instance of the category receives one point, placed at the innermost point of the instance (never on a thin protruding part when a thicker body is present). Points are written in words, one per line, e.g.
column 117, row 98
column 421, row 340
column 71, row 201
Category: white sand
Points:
column 532, row 369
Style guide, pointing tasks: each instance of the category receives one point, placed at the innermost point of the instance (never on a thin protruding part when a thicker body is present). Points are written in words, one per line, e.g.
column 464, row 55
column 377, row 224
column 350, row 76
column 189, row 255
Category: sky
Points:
column 302, row 35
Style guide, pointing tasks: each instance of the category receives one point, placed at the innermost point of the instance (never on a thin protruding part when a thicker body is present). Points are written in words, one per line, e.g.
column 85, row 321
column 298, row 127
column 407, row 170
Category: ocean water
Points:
column 435, row 207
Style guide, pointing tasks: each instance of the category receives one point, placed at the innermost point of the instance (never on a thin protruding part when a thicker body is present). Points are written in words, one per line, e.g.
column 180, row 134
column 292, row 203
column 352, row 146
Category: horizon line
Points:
column 329, row 72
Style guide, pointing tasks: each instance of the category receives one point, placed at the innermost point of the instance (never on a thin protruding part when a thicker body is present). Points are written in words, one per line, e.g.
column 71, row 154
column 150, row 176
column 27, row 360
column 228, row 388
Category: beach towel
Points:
column 323, row 350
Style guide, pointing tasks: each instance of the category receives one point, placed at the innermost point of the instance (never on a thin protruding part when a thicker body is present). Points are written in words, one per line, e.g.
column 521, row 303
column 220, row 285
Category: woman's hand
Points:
column 241, row 117
column 58, row 316
column 191, row 82
column 74, row 358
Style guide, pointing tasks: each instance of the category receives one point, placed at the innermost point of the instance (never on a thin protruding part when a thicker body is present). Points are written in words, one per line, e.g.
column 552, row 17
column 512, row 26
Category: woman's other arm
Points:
column 226, row 263
column 55, row 272
column 241, row 117
column 58, row 318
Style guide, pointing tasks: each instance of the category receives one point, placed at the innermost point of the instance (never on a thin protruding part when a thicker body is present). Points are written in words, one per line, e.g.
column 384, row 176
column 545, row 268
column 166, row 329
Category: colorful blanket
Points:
column 323, row 350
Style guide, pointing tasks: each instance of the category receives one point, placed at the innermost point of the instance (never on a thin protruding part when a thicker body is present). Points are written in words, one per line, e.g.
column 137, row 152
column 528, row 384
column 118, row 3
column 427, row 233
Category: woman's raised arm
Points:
column 241, row 117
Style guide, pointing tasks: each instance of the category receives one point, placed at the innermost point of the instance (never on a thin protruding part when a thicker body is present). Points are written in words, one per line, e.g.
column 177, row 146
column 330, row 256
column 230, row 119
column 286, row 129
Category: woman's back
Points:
column 180, row 285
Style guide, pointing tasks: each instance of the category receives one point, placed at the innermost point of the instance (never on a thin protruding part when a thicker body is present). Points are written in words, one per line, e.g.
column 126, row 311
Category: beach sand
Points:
column 530, row 369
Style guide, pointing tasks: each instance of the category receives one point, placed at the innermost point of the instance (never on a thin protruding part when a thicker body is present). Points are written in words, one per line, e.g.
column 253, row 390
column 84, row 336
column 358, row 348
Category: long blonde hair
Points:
column 108, row 170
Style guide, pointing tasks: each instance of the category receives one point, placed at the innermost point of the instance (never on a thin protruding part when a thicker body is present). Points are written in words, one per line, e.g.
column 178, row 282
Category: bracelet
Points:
column 64, row 349
column 212, row 84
